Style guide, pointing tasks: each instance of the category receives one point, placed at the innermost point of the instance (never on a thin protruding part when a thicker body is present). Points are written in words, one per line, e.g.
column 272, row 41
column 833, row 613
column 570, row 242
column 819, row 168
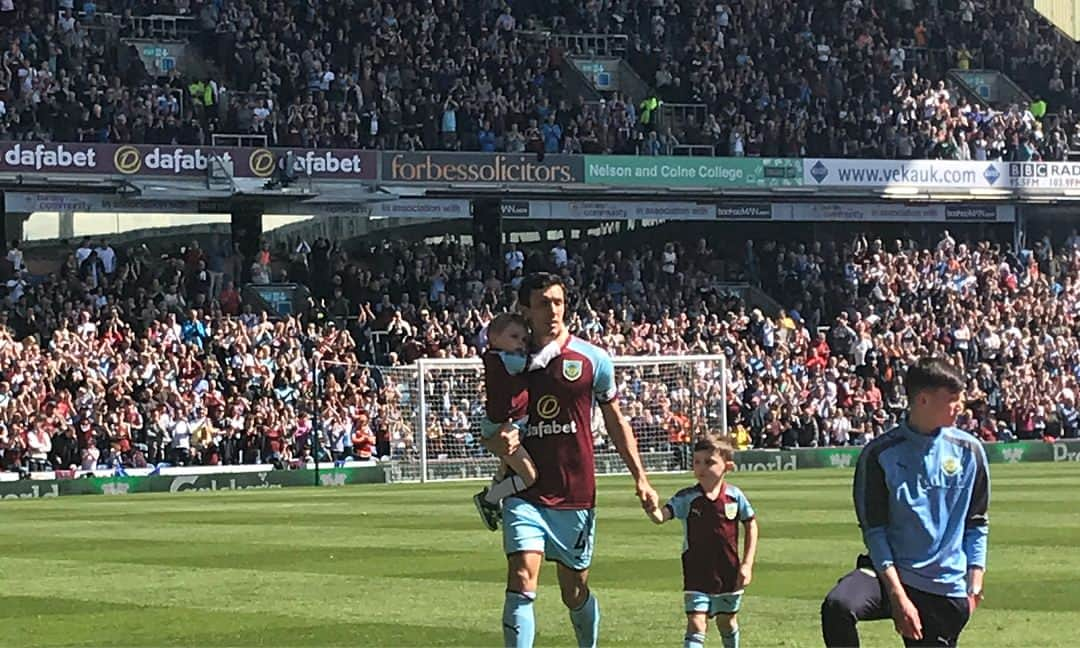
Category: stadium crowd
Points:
column 124, row 357
column 780, row 78
column 855, row 79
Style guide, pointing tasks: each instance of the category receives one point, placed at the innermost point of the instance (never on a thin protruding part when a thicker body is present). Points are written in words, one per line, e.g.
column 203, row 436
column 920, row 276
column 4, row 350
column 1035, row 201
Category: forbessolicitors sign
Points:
column 482, row 167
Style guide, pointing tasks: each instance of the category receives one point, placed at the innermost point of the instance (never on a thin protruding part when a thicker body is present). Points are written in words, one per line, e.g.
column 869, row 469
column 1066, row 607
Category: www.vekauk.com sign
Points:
column 181, row 161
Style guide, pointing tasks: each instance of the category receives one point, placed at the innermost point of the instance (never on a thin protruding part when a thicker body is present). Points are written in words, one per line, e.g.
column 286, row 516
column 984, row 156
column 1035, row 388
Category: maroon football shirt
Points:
column 559, row 433
column 711, row 542
column 507, row 393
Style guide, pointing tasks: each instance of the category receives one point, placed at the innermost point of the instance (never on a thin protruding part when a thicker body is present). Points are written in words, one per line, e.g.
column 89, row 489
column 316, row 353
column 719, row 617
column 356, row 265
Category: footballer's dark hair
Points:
column 504, row 321
column 716, row 443
column 537, row 281
column 932, row 373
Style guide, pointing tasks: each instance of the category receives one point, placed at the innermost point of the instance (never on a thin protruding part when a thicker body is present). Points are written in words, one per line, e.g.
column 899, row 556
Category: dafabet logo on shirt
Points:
column 548, row 407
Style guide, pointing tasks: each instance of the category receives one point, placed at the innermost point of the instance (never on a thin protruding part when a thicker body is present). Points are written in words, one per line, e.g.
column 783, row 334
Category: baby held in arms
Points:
column 506, row 365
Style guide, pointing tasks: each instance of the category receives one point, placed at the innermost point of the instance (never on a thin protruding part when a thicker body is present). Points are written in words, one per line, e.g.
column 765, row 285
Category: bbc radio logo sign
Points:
column 1044, row 175
column 1044, row 170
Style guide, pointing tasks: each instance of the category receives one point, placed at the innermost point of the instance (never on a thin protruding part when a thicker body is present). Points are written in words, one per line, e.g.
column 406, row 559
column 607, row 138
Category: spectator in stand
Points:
column 851, row 79
column 145, row 366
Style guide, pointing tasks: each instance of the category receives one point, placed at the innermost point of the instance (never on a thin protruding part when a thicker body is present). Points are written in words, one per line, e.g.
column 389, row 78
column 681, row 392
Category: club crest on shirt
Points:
column 571, row 369
column 950, row 466
column 731, row 509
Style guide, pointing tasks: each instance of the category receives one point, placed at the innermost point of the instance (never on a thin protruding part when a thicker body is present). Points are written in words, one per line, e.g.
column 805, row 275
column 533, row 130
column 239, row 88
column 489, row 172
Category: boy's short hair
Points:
column 716, row 443
column 504, row 321
column 932, row 373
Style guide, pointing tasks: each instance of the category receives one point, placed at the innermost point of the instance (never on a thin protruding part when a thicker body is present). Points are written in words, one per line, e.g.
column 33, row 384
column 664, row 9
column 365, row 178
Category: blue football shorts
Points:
column 713, row 604
column 566, row 536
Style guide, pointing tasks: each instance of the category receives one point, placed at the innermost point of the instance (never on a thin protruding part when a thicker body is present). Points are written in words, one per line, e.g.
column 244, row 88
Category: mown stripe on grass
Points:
column 255, row 568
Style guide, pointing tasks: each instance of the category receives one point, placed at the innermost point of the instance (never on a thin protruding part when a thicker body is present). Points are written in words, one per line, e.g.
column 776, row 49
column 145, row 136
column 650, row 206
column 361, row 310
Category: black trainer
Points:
column 489, row 513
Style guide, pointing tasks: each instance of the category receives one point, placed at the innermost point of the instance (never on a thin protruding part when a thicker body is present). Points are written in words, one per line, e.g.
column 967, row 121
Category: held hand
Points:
column 745, row 577
column 650, row 501
column 906, row 618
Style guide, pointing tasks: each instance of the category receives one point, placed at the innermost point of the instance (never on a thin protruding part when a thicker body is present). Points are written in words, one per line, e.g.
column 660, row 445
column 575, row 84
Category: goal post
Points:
column 431, row 412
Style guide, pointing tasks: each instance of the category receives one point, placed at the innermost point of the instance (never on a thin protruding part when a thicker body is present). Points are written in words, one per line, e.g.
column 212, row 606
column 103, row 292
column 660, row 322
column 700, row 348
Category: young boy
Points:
column 922, row 494
column 506, row 363
column 713, row 576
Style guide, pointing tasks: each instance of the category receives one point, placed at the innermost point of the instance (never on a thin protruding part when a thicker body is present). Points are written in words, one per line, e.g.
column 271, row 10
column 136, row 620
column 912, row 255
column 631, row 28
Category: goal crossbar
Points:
column 619, row 360
column 434, row 392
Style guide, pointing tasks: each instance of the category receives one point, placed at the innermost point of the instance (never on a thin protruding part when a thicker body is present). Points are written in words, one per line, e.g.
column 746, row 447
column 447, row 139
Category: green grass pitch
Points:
column 410, row 565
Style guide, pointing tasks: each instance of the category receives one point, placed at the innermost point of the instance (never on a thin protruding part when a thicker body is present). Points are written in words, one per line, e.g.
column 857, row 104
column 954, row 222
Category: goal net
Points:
column 429, row 413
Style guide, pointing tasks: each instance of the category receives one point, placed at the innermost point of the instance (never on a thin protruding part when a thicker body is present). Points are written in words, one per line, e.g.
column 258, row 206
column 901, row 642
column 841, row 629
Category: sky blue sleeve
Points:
column 746, row 512
column 603, row 378
column 977, row 522
column 680, row 504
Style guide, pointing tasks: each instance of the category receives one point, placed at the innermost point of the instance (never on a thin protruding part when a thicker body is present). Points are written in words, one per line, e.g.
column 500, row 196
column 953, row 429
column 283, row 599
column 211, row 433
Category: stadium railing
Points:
column 677, row 114
column 584, row 44
column 694, row 150
column 239, row 139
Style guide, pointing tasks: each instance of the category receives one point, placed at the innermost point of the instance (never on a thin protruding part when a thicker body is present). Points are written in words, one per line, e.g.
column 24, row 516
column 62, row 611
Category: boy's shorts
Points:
column 713, row 604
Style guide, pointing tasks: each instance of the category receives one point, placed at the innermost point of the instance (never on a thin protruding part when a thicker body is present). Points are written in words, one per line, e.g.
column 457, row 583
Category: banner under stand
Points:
column 809, row 212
